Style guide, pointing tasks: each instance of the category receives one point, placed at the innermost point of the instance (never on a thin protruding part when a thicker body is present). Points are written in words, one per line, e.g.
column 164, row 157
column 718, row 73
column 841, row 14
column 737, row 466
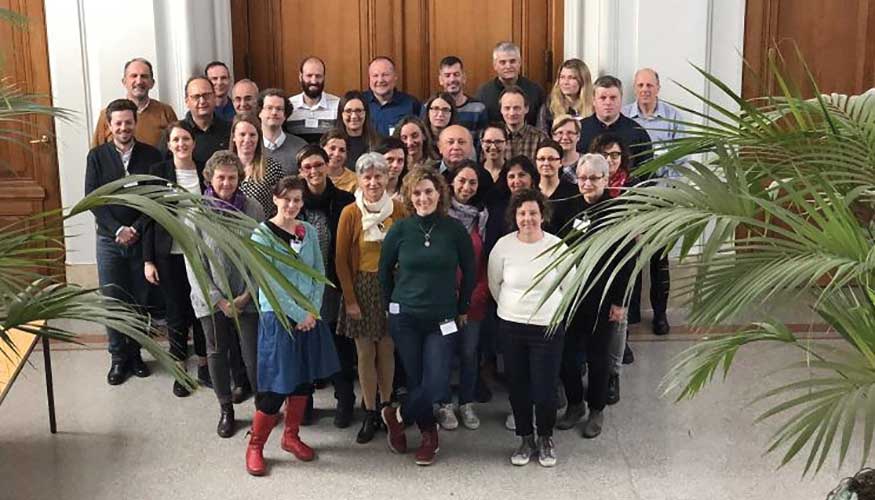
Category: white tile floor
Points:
column 138, row 441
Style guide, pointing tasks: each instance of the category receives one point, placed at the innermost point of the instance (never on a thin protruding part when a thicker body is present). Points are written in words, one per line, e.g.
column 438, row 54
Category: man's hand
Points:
column 151, row 272
column 127, row 236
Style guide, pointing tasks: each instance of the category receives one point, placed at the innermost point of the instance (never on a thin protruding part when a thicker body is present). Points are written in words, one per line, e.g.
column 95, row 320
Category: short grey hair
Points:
column 223, row 158
column 246, row 81
column 369, row 161
column 595, row 162
column 505, row 47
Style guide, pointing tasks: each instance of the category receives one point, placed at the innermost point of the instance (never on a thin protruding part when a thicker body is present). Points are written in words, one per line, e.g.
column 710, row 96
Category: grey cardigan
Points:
column 203, row 307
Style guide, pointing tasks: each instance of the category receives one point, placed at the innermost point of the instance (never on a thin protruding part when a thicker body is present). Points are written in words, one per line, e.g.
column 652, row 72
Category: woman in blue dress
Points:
column 289, row 361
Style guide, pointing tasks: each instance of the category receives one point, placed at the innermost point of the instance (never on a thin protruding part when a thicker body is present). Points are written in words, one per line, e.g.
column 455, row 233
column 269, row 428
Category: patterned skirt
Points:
column 370, row 298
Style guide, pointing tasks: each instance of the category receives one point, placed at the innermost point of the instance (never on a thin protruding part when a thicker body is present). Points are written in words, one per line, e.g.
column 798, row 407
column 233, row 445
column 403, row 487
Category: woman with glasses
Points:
column 566, row 131
column 353, row 119
column 493, row 141
column 439, row 113
column 571, row 95
column 619, row 158
column 421, row 151
column 561, row 195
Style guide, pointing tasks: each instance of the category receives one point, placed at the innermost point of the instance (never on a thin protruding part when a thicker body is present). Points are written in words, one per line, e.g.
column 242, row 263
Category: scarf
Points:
column 468, row 215
column 237, row 202
column 373, row 215
column 617, row 181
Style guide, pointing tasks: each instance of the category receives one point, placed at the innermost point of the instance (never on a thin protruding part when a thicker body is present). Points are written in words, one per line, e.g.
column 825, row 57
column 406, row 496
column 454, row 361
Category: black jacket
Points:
column 156, row 240
column 104, row 165
column 331, row 202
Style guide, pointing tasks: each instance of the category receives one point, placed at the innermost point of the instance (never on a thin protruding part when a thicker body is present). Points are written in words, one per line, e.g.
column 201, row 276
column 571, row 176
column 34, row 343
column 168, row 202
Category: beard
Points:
column 312, row 91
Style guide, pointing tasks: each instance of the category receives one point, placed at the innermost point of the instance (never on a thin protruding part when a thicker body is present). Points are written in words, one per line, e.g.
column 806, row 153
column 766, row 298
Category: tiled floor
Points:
column 138, row 441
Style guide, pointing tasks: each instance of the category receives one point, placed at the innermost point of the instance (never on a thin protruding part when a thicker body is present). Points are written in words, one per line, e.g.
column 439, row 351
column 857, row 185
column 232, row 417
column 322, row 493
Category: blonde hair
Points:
column 559, row 104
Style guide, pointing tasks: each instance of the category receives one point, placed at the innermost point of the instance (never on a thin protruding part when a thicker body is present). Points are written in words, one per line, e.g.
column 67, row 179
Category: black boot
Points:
column 225, row 429
column 369, row 427
column 613, row 389
column 203, row 376
column 308, row 412
column 343, row 414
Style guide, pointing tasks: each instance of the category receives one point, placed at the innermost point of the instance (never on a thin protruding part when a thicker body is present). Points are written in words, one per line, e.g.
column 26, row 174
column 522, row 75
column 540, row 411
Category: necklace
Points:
column 427, row 234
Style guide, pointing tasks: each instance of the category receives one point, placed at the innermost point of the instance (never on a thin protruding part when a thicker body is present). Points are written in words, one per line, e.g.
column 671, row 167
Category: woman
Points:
column 362, row 228
column 467, row 208
column 517, row 174
column 395, row 153
column 418, row 264
column 164, row 263
column 440, row 112
column 215, row 311
column 323, row 204
column 493, row 141
column 593, row 328
column 262, row 171
column 353, row 119
column 566, row 131
column 421, row 151
column 289, row 361
column 561, row 195
column 334, row 142
column 619, row 160
column 571, row 95
column 532, row 354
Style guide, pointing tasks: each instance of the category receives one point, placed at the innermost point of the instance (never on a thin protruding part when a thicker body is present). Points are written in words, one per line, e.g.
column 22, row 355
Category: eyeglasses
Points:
column 613, row 155
column 358, row 111
column 564, row 133
column 198, row 97
column 493, row 143
column 591, row 178
column 443, row 111
column 547, row 158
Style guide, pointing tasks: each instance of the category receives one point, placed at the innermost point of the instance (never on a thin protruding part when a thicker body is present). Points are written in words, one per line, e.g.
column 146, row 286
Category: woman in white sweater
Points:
column 532, row 354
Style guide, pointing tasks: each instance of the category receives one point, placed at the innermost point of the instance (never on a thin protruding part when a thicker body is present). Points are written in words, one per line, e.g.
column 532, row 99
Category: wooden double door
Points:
column 271, row 37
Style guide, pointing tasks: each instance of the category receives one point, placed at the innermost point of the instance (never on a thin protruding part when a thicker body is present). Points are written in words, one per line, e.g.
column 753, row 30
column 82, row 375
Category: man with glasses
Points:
column 522, row 138
column 274, row 106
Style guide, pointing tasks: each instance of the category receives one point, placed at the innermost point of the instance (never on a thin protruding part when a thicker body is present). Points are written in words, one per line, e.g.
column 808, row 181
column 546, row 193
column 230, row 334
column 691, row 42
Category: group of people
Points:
column 438, row 223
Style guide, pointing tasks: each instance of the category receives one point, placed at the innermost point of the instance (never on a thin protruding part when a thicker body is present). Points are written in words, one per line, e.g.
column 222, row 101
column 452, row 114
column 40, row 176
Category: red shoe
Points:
column 295, row 408
column 394, row 429
column 262, row 424
column 428, row 447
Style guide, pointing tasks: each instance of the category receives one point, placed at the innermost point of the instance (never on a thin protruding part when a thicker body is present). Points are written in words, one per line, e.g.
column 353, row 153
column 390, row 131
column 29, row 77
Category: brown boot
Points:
column 428, row 447
column 295, row 408
column 262, row 424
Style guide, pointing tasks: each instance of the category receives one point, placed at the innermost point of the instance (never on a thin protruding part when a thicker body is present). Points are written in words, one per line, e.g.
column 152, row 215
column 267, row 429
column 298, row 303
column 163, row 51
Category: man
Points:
column 274, row 106
column 660, row 121
column 522, row 138
column 314, row 111
column 220, row 76
column 153, row 116
column 119, row 253
column 607, row 103
column 470, row 113
column 387, row 105
column 455, row 145
column 244, row 94
column 506, row 61
column 210, row 132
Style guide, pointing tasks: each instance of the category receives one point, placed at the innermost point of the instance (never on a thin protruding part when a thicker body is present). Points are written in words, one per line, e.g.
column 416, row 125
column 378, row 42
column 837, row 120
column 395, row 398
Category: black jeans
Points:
column 173, row 282
column 659, row 288
column 592, row 334
column 272, row 402
column 344, row 379
column 532, row 369
column 426, row 360
column 120, row 272
column 221, row 334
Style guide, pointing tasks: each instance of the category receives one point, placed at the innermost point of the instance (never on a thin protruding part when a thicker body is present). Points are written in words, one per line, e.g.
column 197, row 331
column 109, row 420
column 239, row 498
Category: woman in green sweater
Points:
column 419, row 262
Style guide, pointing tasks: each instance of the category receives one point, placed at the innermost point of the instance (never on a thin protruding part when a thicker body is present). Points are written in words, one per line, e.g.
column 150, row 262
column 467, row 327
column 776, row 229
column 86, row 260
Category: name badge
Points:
column 394, row 308
column 311, row 123
column 448, row 327
column 391, row 130
column 296, row 245
column 581, row 225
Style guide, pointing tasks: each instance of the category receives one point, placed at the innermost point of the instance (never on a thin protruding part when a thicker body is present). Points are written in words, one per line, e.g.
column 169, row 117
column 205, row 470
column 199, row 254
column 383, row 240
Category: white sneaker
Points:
column 524, row 453
column 510, row 422
column 446, row 416
column 469, row 418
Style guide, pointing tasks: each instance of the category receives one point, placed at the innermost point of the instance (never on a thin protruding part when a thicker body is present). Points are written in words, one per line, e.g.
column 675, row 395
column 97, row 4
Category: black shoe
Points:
column 240, row 393
column 628, row 355
column 343, row 414
column 613, row 389
column 369, row 428
column 309, row 412
column 139, row 368
column 482, row 393
column 660, row 325
column 225, row 429
column 572, row 416
column 118, row 373
column 179, row 390
column 203, row 376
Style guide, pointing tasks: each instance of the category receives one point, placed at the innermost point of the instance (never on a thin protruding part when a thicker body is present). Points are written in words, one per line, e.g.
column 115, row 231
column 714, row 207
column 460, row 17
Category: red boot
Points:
column 428, row 447
column 262, row 424
column 295, row 408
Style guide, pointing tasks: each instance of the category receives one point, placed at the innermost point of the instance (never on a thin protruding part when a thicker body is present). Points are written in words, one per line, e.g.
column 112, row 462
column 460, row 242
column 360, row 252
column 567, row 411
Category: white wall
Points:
column 89, row 42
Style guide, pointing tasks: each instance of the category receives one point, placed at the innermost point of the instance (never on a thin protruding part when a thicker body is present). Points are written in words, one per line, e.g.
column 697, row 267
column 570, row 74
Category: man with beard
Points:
column 119, row 253
column 153, row 116
column 273, row 108
column 243, row 95
column 470, row 113
column 219, row 75
column 314, row 111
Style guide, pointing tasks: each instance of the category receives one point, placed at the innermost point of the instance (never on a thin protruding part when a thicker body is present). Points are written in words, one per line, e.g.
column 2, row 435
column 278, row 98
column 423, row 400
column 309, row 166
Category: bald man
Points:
column 244, row 94
column 456, row 145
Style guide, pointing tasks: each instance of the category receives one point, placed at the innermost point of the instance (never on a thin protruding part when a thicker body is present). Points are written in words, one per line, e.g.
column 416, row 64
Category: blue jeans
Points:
column 426, row 360
column 464, row 343
column 120, row 273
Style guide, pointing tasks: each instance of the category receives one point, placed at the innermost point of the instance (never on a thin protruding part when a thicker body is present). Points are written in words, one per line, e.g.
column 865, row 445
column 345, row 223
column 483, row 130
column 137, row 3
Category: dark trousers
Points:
column 426, row 361
column 344, row 379
column 532, row 368
column 221, row 333
column 272, row 402
column 659, row 288
column 173, row 282
column 464, row 343
column 120, row 273
column 592, row 335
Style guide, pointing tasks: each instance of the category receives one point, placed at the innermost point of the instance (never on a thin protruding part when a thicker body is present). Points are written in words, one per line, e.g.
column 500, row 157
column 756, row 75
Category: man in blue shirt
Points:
column 387, row 105
column 654, row 115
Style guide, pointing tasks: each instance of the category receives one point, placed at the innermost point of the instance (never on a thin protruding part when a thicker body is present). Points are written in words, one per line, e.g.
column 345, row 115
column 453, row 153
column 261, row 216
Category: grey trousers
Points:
column 617, row 347
column 219, row 331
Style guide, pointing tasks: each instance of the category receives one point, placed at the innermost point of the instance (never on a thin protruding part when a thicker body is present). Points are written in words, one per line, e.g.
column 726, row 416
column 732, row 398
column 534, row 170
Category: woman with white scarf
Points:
column 360, row 233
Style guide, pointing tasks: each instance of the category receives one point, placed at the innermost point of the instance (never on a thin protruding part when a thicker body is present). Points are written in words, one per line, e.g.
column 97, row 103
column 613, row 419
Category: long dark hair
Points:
column 427, row 117
column 527, row 166
column 368, row 133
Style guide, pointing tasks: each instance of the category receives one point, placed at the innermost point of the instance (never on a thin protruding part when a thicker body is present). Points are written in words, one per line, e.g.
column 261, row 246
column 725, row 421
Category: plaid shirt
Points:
column 523, row 142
